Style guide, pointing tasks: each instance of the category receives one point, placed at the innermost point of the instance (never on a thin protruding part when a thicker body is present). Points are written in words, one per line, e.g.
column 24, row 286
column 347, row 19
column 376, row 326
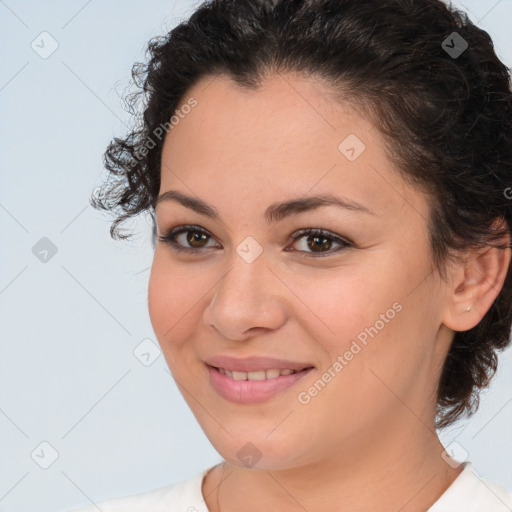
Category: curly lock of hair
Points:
column 446, row 121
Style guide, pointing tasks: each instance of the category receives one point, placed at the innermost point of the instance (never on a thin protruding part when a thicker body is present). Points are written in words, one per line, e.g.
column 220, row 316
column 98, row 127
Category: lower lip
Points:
column 252, row 391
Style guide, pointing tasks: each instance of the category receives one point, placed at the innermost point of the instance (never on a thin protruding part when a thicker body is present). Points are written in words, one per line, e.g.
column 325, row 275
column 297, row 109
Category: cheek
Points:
column 158, row 298
column 366, row 321
column 384, row 360
column 170, row 304
column 338, row 306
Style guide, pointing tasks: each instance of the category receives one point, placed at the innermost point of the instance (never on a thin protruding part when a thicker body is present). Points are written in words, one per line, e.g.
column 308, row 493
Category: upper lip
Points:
column 253, row 364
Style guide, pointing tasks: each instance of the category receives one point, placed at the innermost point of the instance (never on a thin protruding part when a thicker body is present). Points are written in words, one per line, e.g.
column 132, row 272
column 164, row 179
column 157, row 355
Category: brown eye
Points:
column 186, row 238
column 195, row 238
column 320, row 242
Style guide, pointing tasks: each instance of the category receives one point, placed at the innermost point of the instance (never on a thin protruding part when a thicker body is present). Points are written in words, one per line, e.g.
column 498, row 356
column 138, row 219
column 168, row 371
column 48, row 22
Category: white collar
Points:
column 471, row 493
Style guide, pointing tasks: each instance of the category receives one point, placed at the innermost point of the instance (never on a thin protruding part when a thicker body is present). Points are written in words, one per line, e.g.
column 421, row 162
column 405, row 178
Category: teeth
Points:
column 272, row 373
column 261, row 375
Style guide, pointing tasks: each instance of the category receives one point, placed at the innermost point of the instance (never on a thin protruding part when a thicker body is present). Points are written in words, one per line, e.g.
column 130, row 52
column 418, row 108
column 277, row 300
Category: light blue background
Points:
column 69, row 326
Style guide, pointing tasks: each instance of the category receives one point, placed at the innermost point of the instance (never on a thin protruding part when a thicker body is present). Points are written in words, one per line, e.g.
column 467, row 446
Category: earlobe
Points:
column 477, row 283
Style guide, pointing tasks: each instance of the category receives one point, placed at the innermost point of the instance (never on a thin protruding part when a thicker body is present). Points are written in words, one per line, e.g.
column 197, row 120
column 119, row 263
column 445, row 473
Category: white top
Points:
column 468, row 493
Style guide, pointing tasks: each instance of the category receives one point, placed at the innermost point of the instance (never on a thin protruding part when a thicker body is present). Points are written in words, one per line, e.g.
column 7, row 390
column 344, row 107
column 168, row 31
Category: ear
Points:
column 476, row 283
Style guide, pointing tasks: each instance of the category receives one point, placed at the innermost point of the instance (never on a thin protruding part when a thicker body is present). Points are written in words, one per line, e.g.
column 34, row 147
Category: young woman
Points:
column 330, row 187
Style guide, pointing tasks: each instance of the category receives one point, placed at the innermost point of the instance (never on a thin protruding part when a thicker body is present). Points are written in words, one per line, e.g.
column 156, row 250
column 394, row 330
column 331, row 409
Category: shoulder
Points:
column 185, row 496
column 473, row 493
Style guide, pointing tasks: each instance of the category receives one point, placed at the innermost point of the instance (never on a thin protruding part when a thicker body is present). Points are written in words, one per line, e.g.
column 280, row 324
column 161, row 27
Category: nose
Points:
column 247, row 301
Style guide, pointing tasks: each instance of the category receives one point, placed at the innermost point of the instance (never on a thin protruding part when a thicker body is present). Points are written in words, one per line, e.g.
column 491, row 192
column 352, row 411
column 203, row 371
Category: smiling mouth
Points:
column 252, row 387
column 266, row 374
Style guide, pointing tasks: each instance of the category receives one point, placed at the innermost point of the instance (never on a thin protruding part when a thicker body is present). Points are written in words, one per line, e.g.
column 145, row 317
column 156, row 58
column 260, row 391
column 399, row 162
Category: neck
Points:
column 391, row 472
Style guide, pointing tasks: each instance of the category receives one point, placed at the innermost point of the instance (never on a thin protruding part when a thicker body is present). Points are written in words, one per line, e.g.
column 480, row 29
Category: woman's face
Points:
column 367, row 316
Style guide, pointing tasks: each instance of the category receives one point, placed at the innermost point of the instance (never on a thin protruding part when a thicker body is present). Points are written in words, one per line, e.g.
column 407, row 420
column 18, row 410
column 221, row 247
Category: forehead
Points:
column 282, row 140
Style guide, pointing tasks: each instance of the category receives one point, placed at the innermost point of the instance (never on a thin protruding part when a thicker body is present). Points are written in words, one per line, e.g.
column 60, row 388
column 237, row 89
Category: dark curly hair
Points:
column 445, row 116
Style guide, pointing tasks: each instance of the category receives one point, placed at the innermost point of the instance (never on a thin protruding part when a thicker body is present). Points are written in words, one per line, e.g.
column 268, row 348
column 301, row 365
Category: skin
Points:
column 367, row 441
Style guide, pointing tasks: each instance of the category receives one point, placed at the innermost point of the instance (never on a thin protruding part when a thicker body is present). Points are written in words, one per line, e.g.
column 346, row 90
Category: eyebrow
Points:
column 275, row 212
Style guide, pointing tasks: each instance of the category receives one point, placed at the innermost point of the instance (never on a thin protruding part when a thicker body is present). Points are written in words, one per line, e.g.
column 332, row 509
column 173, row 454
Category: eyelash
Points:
column 173, row 233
